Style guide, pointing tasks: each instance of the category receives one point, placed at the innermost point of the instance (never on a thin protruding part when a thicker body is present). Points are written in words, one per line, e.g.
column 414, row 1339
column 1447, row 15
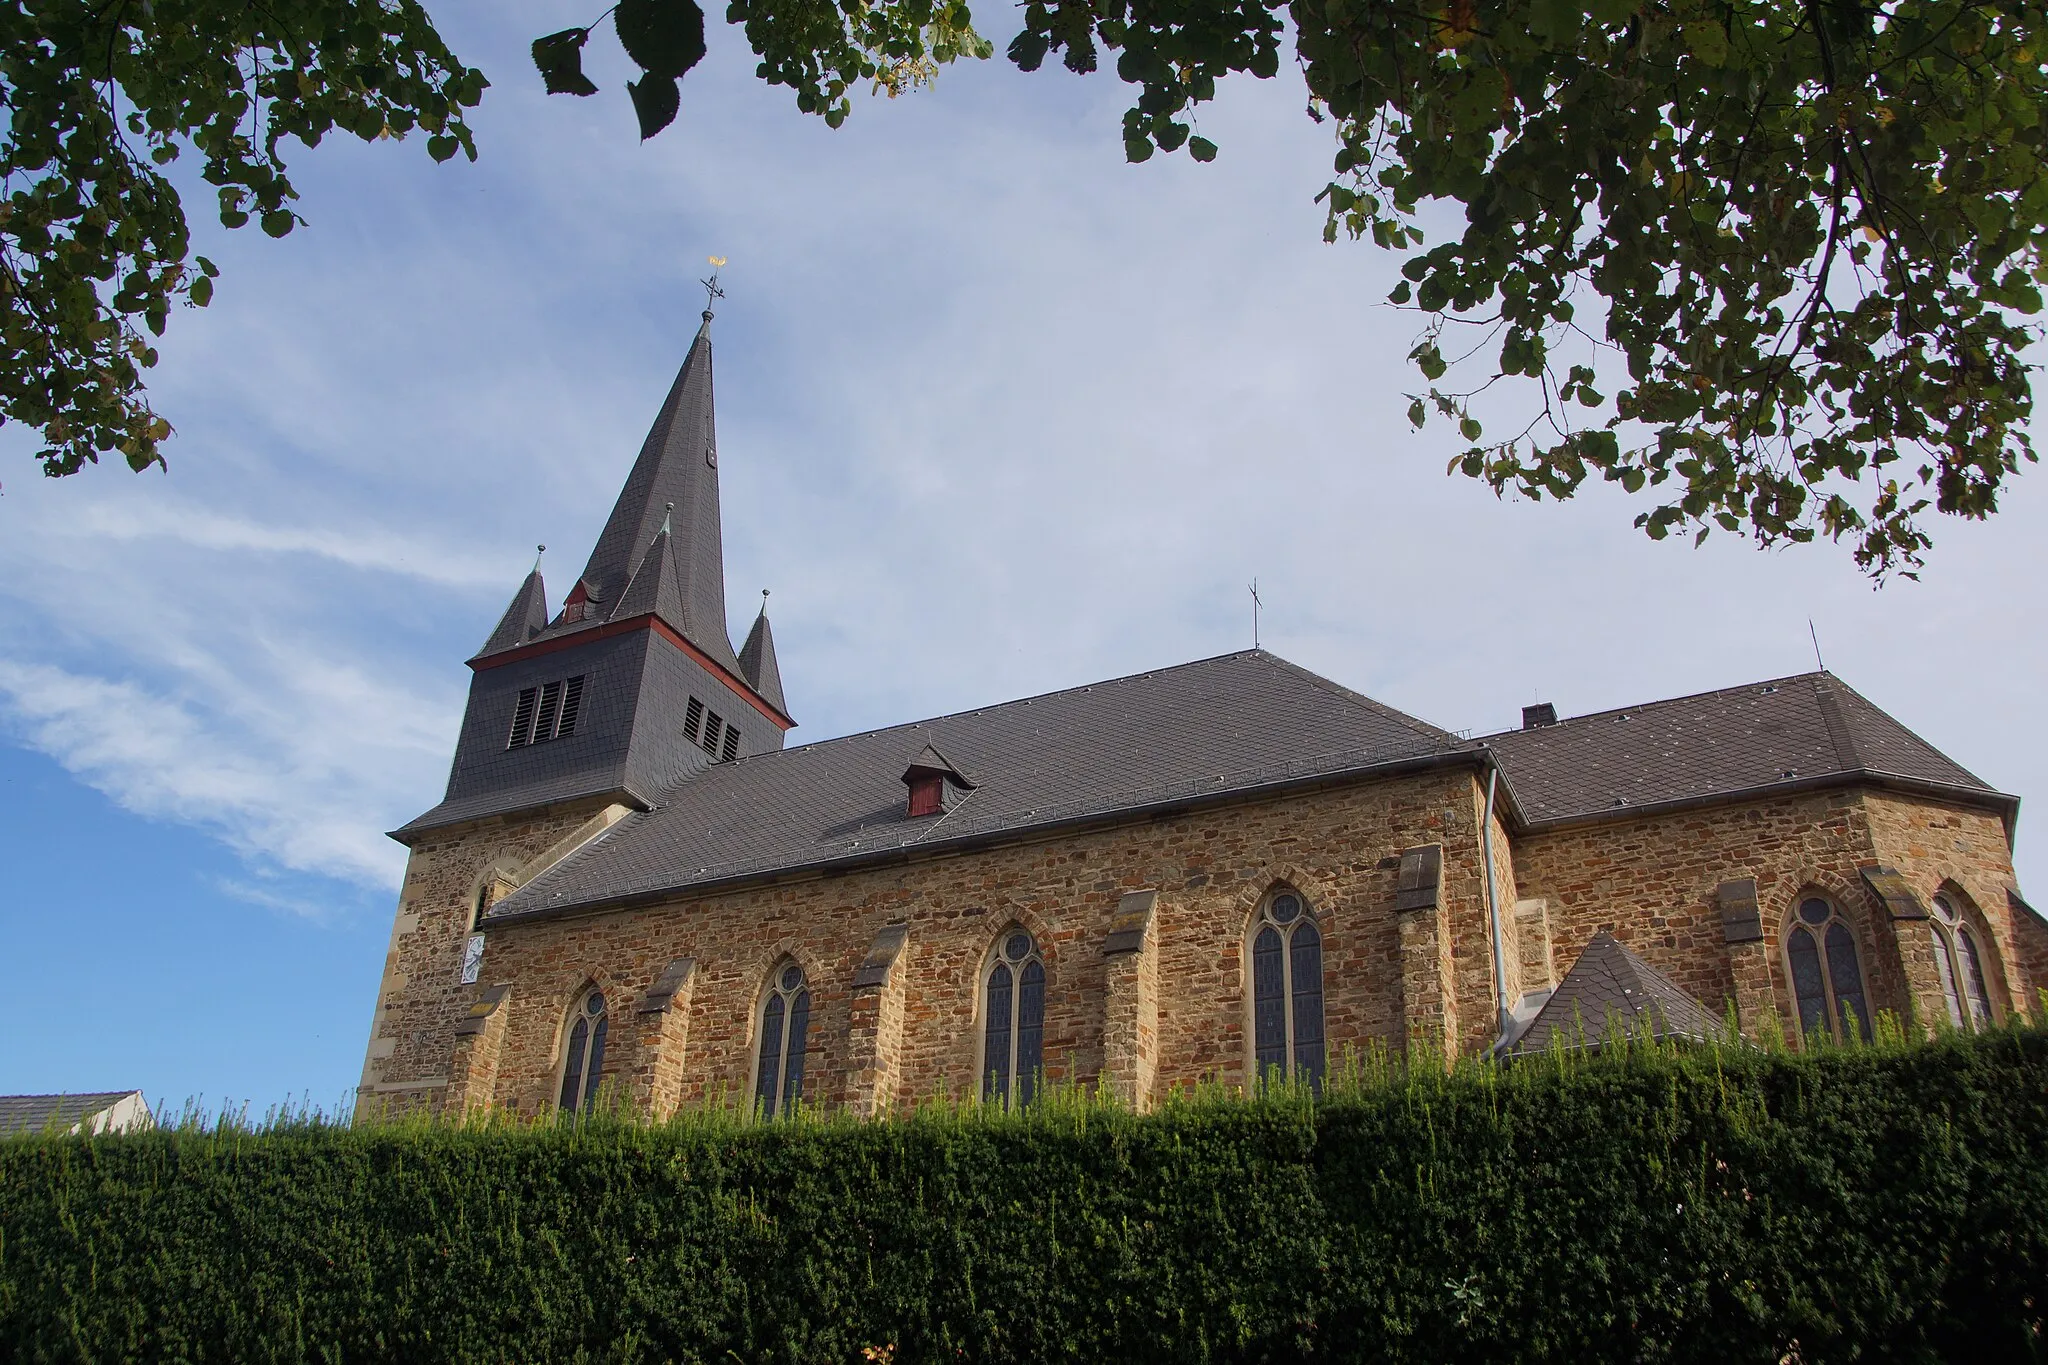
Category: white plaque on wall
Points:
column 472, row 959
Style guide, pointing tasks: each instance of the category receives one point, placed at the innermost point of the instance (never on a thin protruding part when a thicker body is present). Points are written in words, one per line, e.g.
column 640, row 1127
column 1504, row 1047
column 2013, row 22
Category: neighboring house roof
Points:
column 1789, row 733
column 1213, row 728
column 104, row 1111
column 1610, row 993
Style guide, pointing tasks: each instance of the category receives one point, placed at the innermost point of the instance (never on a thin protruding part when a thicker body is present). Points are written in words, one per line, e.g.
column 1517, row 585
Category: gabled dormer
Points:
column 934, row 783
column 634, row 685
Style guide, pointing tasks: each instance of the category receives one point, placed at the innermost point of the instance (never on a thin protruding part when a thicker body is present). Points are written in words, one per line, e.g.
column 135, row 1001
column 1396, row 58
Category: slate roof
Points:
column 1218, row 727
column 1789, row 733
column 1611, row 993
column 757, row 661
column 36, row 1113
column 526, row 618
column 1212, row 728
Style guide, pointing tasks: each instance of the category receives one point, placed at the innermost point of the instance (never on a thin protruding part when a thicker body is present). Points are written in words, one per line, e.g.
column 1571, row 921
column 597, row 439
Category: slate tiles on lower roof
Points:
column 1609, row 994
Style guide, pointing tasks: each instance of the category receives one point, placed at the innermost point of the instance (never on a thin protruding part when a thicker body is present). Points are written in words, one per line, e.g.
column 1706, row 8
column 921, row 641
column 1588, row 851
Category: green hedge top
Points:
column 1885, row 1203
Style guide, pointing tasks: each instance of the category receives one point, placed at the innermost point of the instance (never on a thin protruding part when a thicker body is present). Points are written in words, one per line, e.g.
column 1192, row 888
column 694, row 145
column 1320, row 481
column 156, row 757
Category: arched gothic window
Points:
column 1287, row 990
column 583, row 1055
column 785, row 1032
column 1827, row 974
column 1959, row 962
column 1013, row 1011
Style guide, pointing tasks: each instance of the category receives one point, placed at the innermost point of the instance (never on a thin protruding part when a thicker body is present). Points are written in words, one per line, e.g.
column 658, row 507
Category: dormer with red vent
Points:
column 936, row 786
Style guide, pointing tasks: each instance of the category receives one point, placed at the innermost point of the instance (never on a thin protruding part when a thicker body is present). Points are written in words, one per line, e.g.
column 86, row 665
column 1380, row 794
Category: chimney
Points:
column 1537, row 716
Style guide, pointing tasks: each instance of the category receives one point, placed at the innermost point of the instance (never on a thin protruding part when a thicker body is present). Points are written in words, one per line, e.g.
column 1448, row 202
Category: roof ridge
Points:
column 1025, row 701
column 1378, row 708
column 1789, row 678
column 1915, row 735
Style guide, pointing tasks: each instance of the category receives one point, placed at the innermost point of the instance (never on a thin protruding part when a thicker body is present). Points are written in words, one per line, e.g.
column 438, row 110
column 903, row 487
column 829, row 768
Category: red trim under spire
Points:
column 632, row 623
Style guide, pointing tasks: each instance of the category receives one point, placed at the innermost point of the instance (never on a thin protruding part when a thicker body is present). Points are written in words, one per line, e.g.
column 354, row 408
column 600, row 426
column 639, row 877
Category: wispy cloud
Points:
column 159, row 513
column 293, row 798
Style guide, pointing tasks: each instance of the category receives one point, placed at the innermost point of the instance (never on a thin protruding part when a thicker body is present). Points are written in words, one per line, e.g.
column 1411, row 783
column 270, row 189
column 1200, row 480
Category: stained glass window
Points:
column 583, row 1055
column 1827, row 972
column 1959, row 963
column 785, row 1033
column 1287, row 990
column 1013, row 1020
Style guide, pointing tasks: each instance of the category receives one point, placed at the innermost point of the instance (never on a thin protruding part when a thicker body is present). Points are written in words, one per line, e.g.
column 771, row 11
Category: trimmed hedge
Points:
column 1886, row 1203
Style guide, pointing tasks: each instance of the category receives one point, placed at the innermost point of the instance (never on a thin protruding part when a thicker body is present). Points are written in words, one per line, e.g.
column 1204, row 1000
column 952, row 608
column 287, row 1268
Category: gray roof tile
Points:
column 1737, row 739
column 757, row 662
column 1611, row 993
column 1199, row 730
column 1211, row 728
column 36, row 1113
column 523, row 620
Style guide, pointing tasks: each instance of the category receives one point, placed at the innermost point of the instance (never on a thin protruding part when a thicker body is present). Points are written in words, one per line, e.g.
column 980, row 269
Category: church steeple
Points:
column 678, row 468
column 634, row 686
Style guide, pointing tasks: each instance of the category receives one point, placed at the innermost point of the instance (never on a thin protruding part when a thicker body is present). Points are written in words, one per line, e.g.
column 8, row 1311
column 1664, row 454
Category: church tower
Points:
column 634, row 683
column 576, row 720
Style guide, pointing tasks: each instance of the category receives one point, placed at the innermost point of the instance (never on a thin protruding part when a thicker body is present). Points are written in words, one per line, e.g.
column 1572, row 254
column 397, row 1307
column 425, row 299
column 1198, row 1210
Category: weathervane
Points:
column 712, row 293
column 1253, row 588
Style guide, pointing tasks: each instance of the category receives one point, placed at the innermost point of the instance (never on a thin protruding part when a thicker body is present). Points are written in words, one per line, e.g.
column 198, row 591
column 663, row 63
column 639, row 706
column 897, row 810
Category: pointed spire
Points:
column 655, row 586
column 524, row 619
column 674, row 486
column 757, row 661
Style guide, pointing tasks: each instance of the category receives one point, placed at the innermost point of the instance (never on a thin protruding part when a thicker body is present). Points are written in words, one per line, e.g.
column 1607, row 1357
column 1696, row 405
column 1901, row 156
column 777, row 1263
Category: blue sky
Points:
column 998, row 413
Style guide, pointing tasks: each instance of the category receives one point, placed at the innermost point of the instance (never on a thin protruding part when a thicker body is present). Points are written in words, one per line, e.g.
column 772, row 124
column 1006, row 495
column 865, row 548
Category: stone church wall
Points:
column 421, row 998
column 1941, row 848
column 1652, row 882
column 894, row 955
column 1339, row 847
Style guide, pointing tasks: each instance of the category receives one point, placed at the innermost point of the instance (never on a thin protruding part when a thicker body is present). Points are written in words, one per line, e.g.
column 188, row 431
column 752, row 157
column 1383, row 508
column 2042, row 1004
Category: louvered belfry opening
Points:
column 546, row 712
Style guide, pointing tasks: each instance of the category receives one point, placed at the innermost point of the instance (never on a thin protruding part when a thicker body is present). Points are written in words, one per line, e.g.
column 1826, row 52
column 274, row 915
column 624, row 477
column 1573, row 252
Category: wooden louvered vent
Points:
column 546, row 712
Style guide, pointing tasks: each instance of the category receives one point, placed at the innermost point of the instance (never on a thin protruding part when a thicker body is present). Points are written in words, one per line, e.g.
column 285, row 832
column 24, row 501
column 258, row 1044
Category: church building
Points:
column 1225, row 869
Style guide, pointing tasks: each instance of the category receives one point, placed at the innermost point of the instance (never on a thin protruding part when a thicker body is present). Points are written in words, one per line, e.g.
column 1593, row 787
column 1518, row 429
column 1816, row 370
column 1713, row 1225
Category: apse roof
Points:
column 1782, row 733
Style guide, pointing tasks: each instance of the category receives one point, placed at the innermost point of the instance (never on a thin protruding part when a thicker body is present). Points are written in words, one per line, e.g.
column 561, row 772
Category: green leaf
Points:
column 1028, row 50
column 1469, row 429
column 559, row 57
column 655, row 100
column 277, row 222
column 1708, row 41
column 1201, row 149
column 663, row 37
